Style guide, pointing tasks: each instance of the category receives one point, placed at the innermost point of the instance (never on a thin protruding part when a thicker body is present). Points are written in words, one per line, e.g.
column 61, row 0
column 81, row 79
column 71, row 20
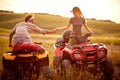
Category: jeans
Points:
column 73, row 39
column 24, row 39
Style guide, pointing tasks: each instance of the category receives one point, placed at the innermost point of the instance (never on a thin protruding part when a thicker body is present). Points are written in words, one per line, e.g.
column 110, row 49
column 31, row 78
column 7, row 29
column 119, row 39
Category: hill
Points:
column 101, row 28
column 105, row 32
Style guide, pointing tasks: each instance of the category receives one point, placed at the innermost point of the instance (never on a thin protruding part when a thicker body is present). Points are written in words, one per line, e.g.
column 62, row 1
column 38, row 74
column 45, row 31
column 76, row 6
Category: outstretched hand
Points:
column 90, row 33
column 10, row 45
column 49, row 31
column 54, row 30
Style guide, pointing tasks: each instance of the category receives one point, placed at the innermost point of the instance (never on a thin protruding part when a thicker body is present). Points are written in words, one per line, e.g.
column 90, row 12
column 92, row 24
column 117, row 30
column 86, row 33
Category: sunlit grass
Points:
column 49, row 40
column 3, row 48
column 100, row 28
column 105, row 32
column 101, row 39
column 72, row 74
column 106, row 40
column 47, row 36
column 48, row 45
column 2, row 30
column 115, row 57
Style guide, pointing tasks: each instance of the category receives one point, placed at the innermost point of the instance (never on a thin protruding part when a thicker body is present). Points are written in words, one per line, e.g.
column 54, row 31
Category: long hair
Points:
column 77, row 9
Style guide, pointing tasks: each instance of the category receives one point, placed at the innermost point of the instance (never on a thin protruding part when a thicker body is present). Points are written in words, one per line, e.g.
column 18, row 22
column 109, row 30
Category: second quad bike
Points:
column 89, row 56
column 25, row 62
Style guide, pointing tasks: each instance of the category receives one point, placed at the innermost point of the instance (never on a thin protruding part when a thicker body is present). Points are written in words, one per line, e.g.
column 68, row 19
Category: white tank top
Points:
column 21, row 30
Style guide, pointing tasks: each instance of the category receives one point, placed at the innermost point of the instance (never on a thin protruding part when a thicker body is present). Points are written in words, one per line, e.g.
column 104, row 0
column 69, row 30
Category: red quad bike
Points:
column 92, row 56
column 26, row 62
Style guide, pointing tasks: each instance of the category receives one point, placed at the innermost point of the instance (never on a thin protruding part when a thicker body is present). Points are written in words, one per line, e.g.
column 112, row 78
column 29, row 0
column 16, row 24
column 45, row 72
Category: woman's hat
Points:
column 75, row 9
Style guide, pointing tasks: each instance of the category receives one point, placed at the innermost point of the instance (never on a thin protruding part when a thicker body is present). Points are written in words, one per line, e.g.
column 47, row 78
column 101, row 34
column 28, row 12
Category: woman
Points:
column 22, row 30
column 77, row 21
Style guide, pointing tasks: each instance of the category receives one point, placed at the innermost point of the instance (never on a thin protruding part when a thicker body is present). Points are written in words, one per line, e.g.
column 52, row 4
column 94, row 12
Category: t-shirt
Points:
column 77, row 23
column 23, row 29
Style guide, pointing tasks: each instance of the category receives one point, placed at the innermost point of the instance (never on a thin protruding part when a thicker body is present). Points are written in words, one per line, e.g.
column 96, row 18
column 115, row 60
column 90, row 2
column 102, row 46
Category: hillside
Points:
column 105, row 32
column 101, row 28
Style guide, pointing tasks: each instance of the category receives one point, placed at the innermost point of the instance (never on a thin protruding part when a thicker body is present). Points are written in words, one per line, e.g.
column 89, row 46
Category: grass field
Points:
column 100, row 28
column 104, row 32
column 49, row 47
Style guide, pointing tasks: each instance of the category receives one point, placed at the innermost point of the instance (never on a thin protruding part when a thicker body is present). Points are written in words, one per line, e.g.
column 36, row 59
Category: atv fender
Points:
column 9, row 56
column 43, row 55
column 66, row 55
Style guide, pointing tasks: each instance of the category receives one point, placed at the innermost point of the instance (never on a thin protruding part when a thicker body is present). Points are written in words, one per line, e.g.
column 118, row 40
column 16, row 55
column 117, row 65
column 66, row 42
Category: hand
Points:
column 91, row 33
column 58, row 29
column 10, row 45
column 44, row 31
column 54, row 30
column 50, row 31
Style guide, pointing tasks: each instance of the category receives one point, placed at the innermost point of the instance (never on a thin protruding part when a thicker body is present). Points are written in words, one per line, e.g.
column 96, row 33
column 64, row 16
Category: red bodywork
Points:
column 82, row 52
column 27, row 47
column 58, row 51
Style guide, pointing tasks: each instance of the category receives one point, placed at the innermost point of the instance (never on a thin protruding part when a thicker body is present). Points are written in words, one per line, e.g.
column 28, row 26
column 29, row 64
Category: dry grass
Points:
column 108, row 34
column 70, row 75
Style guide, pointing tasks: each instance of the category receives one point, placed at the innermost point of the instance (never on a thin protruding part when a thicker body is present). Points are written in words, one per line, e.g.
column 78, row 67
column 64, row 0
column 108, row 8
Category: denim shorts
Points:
column 24, row 39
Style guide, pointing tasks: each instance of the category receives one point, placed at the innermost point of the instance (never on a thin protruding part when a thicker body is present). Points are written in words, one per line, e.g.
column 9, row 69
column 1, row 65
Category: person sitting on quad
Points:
column 22, row 30
column 22, row 41
column 77, row 21
column 64, row 40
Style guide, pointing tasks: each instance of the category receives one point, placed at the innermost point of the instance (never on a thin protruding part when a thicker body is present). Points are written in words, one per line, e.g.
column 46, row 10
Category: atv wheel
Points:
column 66, row 65
column 47, row 73
column 7, row 74
column 57, row 64
column 108, row 68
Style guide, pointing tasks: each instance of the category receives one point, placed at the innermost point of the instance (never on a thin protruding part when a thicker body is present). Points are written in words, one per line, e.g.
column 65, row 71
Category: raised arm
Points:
column 57, row 29
column 35, row 28
column 46, row 31
column 87, row 28
column 50, row 31
column 65, row 27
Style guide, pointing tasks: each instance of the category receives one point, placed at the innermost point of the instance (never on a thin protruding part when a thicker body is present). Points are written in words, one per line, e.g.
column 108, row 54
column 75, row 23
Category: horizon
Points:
column 100, row 9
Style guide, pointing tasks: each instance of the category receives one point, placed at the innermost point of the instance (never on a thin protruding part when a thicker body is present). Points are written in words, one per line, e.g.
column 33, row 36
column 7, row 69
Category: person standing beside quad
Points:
column 77, row 22
column 22, row 30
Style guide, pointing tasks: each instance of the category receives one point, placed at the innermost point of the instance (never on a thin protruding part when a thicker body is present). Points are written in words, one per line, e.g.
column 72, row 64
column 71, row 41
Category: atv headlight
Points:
column 102, row 53
column 78, row 55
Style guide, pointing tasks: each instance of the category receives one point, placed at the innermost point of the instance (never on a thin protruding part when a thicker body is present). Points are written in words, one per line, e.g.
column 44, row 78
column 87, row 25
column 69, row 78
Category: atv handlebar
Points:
column 40, row 43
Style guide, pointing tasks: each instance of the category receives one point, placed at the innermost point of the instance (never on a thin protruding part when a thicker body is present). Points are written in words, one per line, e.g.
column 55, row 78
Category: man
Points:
column 22, row 30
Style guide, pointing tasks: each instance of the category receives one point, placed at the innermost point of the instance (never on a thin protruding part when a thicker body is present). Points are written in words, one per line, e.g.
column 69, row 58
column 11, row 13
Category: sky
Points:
column 99, row 9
